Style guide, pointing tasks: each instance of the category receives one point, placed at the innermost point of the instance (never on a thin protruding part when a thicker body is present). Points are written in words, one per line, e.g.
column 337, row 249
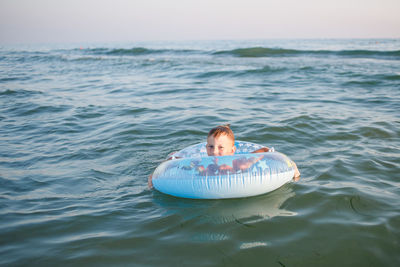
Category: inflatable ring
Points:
column 193, row 174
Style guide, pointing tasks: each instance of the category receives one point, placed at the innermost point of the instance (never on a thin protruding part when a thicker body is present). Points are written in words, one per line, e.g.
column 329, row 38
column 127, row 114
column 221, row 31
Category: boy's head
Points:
column 220, row 141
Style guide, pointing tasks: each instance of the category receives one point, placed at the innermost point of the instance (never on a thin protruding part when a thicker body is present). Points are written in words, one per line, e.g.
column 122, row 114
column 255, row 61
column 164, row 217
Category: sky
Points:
column 60, row 21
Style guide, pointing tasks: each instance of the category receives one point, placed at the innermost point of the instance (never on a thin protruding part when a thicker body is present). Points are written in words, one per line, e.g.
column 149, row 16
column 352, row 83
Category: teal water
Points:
column 83, row 125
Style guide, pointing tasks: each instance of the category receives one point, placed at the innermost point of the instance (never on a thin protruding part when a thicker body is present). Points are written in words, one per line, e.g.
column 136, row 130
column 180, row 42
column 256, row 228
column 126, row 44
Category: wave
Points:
column 19, row 93
column 247, row 52
column 135, row 51
column 258, row 52
column 266, row 70
column 280, row 52
column 98, row 54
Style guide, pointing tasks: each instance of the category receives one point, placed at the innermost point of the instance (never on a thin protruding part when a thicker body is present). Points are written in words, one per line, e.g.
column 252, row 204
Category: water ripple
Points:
column 82, row 129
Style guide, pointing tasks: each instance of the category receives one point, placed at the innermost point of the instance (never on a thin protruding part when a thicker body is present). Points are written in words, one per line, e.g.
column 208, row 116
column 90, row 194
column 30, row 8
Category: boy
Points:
column 221, row 142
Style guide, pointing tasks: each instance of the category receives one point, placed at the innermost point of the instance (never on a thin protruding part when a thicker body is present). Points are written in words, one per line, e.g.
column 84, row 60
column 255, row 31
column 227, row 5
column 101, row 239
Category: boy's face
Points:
column 220, row 146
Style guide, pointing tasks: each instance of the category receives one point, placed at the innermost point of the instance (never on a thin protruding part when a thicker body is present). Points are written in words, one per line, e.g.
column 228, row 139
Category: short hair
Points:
column 220, row 130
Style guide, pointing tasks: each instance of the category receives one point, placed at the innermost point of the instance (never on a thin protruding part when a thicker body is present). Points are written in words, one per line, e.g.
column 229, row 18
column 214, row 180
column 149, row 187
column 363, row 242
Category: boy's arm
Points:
column 296, row 176
column 150, row 179
column 261, row 150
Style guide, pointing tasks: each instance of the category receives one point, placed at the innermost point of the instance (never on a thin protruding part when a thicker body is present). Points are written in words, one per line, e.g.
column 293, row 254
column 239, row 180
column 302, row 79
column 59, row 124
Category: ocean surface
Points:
column 82, row 126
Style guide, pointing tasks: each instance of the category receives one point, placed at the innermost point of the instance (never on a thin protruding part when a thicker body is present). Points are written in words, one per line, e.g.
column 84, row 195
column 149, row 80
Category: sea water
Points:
column 82, row 126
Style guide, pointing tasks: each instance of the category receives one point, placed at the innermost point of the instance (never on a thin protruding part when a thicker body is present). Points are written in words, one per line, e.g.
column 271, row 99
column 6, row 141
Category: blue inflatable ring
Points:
column 193, row 174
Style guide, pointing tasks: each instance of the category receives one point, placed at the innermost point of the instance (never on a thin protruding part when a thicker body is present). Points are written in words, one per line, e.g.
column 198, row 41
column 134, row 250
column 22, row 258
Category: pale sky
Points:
column 32, row 21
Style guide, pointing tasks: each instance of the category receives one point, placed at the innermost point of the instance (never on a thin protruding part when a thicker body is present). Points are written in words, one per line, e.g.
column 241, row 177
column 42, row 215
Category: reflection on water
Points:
column 240, row 212
column 251, row 210
column 253, row 245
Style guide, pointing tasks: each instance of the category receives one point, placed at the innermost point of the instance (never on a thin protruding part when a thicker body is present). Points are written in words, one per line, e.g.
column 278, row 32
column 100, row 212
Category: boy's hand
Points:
column 150, row 182
column 261, row 150
column 296, row 176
